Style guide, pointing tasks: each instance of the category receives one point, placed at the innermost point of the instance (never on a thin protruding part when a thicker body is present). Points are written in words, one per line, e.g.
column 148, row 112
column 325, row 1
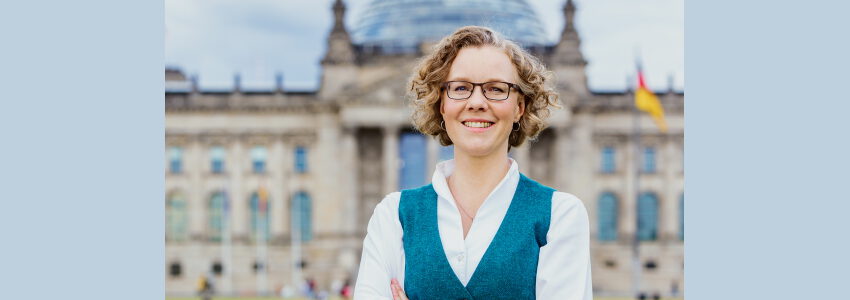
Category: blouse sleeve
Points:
column 563, row 269
column 382, row 252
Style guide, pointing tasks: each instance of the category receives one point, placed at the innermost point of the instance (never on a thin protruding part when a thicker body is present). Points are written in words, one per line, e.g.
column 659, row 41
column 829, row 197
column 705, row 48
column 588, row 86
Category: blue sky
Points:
column 257, row 38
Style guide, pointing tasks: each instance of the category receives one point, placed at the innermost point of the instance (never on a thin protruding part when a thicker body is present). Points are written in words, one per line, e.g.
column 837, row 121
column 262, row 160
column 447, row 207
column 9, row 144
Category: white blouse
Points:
column 563, row 267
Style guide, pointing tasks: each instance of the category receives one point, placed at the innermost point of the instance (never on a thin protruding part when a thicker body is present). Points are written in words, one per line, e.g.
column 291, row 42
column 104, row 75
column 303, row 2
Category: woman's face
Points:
column 463, row 118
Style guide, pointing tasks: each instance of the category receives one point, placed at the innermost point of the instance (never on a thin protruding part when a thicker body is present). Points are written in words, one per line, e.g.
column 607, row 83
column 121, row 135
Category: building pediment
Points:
column 388, row 90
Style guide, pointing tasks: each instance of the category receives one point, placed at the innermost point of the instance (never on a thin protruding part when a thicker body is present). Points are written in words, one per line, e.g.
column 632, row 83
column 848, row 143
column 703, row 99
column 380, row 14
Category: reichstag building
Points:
column 267, row 188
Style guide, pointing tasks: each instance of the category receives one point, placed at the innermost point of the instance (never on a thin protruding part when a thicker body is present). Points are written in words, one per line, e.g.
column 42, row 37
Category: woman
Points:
column 480, row 230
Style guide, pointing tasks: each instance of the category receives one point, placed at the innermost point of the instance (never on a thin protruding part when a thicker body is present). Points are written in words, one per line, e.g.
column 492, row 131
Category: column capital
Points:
column 216, row 138
column 178, row 139
column 677, row 138
column 390, row 128
column 242, row 238
column 350, row 129
column 652, row 139
column 609, row 138
column 257, row 138
column 198, row 237
column 562, row 130
column 299, row 137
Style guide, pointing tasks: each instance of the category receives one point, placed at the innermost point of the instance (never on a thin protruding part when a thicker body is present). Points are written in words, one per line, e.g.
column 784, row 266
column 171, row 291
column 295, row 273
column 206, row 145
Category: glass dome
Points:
column 400, row 25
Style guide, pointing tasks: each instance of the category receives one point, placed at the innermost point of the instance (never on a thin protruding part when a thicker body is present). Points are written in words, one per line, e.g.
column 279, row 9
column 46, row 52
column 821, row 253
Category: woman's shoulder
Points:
column 565, row 197
column 567, row 204
column 389, row 204
column 386, row 211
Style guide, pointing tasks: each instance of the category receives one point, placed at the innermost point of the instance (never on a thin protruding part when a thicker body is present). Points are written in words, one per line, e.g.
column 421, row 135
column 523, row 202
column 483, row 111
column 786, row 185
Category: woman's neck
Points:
column 479, row 174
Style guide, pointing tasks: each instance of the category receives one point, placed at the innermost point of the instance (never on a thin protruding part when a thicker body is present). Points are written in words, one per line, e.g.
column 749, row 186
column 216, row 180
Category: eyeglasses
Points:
column 493, row 90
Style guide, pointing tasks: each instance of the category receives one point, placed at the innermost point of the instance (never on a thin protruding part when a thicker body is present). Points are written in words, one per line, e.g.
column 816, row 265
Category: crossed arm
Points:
column 563, row 270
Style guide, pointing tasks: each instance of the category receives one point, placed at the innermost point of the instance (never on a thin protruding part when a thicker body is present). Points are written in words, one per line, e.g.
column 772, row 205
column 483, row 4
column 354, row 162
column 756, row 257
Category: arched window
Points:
column 260, row 215
column 682, row 217
column 647, row 217
column 217, row 159
column 216, row 212
column 258, row 159
column 607, row 214
column 302, row 216
column 176, row 217
column 413, row 160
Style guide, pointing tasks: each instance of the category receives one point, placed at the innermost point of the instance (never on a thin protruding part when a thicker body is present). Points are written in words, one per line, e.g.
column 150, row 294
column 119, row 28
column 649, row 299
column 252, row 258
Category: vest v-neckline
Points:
column 463, row 232
column 507, row 266
column 522, row 185
column 487, row 203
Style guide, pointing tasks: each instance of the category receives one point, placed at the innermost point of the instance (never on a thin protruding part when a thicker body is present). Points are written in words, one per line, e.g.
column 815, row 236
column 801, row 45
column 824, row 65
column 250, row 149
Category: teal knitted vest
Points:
column 508, row 269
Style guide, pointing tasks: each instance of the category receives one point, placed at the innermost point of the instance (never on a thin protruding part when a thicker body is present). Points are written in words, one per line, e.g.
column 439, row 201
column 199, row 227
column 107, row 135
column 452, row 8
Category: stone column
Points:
column 349, row 178
column 581, row 171
column 238, row 199
column 324, row 188
column 277, row 190
column 390, row 143
column 561, row 156
column 521, row 156
column 193, row 159
column 670, row 202
column 628, row 216
column 583, row 155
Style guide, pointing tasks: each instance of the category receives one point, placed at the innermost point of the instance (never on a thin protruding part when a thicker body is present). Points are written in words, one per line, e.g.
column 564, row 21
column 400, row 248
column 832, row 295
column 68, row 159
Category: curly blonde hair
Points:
column 426, row 84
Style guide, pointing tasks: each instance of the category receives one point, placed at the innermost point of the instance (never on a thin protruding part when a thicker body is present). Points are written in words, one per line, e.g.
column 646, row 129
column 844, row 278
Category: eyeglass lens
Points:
column 492, row 90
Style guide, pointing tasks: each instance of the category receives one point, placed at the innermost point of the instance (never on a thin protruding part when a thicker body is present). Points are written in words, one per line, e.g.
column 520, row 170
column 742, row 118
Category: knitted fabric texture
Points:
column 508, row 268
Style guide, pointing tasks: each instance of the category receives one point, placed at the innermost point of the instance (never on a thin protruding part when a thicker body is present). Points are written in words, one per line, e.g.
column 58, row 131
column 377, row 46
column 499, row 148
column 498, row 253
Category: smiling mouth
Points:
column 478, row 124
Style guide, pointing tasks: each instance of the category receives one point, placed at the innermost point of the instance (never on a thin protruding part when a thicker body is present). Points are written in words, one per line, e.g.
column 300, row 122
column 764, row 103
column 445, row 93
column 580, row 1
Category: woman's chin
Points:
column 480, row 150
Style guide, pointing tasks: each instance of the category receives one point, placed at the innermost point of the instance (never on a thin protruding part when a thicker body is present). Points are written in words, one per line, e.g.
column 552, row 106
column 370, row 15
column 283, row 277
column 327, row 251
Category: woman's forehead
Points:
column 481, row 64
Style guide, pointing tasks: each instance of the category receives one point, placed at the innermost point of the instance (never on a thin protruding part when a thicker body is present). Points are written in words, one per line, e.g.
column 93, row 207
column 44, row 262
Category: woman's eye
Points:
column 496, row 90
column 460, row 88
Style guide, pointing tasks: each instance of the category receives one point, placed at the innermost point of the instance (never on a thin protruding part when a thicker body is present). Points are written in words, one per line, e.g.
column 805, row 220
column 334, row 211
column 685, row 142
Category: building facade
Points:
column 266, row 188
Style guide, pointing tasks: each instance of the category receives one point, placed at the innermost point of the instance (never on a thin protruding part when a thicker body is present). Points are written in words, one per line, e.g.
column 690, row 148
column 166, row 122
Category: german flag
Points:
column 646, row 101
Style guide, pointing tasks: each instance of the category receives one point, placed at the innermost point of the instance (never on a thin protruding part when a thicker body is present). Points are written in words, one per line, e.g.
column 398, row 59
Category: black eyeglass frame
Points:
column 445, row 87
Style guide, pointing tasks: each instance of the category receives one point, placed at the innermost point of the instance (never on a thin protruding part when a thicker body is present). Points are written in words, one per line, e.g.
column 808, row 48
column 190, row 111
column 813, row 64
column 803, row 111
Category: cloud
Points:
column 217, row 38
column 256, row 38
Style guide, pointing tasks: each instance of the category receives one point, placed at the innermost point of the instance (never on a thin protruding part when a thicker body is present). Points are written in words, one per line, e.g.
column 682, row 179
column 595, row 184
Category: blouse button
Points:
column 460, row 258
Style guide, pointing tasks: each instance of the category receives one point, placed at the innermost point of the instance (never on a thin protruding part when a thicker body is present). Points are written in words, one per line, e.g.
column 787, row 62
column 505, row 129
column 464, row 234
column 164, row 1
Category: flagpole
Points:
column 226, row 249
column 266, row 236
column 636, row 187
column 262, row 241
column 645, row 100
column 636, row 271
column 256, row 224
column 267, row 222
column 295, row 236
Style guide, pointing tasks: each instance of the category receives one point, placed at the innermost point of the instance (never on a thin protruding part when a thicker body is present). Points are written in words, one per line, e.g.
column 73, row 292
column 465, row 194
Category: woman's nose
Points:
column 477, row 101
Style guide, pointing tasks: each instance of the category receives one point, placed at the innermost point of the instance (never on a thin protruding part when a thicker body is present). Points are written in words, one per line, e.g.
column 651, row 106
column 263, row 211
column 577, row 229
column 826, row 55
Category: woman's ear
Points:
column 520, row 109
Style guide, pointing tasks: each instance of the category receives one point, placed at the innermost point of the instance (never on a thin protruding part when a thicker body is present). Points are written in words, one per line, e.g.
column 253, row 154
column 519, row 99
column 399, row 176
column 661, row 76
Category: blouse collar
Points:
column 503, row 192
